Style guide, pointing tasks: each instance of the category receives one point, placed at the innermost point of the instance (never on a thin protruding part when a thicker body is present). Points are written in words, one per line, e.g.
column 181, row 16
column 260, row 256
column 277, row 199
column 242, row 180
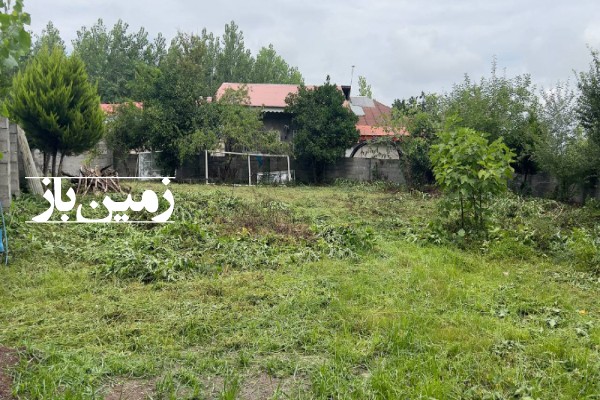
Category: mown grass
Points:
column 318, row 289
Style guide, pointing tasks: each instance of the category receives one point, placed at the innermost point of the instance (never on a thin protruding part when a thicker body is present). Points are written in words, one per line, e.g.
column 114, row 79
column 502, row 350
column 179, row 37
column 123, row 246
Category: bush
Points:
column 582, row 249
column 470, row 171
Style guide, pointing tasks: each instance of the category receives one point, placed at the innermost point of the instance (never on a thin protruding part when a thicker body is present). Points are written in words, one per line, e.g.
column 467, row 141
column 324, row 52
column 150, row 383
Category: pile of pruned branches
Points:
column 93, row 180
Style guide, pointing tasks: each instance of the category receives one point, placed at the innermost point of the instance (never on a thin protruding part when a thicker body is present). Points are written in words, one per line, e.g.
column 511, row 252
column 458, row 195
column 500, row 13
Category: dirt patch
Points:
column 257, row 387
column 264, row 386
column 8, row 359
column 134, row 389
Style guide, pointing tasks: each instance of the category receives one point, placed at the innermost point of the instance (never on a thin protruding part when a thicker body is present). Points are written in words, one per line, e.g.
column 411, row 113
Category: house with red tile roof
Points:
column 109, row 108
column 270, row 98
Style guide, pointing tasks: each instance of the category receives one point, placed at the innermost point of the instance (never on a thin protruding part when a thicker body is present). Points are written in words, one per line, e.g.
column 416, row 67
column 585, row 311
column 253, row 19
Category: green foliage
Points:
column 127, row 129
column 421, row 117
column 229, row 124
column 50, row 38
column 364, row 89
column 14, row 44
column 582, row 249
column 177, row 118
column 504, row 107
column 234, row 61
column 14, row 39
column 270, row 67
column 325, row 127
column 489, row 321
column 111, row 57
column 239, row 128
column 471, row 171
column 564, row 150
column 588, row 104
column 56, row 104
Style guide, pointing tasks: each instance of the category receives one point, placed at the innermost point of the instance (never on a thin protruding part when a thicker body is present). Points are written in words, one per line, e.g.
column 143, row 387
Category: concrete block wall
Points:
column 5, row 163
column 15, row 186
column 366, row 169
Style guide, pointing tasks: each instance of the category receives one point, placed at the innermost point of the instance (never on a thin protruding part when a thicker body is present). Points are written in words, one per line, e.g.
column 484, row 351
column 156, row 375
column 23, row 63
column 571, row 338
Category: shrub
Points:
column 470, row 171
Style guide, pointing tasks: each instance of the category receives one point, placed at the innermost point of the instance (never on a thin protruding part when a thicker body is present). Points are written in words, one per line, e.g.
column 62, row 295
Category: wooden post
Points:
column 249, row 172
column 34, row 185
column 206, row 165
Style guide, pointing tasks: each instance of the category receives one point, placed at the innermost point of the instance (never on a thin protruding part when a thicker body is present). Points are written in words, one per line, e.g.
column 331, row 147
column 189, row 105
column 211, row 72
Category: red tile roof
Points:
column 274, row 95
column 374, row 115
column 368, row 132
column 262, row 94
column 111, row 108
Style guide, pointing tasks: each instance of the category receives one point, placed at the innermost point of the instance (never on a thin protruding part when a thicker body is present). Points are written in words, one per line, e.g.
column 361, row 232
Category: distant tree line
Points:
column 123, row 62
column 172, row 81
column 554, row 130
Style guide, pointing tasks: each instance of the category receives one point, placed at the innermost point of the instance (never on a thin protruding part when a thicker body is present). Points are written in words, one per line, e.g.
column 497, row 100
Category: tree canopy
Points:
column 15, row 42
column 111, row 56
column 325, row 127
column 503, row 107
column 54, row 101
column 588, row 102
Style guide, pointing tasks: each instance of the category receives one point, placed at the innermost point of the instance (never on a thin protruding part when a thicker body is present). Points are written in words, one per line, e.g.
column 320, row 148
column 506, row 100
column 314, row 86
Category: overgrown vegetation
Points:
column 341, row 292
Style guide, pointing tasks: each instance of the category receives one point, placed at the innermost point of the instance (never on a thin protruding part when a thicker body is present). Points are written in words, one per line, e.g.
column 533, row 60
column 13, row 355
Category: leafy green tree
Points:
column 325, row 127
column 127, row 130
column 588, row 102
column 14, row 39
column 470, row 170
column 14, row 43
column 421, row 117
column 234, row 61
column 504, row 107
column 364, row 89
column 111, row 57
column 57, row 106
column 231, row 125
column 270, row 67
column 50, row 38
column 564, row 150
column 175, row 104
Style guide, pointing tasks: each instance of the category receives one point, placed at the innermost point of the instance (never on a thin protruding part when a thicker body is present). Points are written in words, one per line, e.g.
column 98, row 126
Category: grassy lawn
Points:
column 290, row 293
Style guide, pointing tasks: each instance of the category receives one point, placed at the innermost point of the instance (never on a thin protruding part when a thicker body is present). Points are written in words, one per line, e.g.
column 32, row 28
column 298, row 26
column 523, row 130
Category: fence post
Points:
column 249, row 172
column 289, row 170
column 206, row 165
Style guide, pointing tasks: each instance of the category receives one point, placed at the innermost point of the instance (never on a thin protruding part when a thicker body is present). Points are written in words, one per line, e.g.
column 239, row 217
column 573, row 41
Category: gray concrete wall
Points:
column 365, row 169
column 103, row 157
column 356, row 169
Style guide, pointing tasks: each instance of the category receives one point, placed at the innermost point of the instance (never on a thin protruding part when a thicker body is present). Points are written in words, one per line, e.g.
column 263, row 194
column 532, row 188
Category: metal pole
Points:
column 249, row 172
column 289, row 170
column 206, row 165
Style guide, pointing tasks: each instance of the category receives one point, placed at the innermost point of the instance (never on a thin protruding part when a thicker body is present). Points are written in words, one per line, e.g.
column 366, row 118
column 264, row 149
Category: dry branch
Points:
column 94, row 180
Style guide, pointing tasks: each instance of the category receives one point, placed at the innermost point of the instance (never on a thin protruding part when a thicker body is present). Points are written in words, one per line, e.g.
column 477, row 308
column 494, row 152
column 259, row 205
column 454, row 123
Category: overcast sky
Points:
column 401, row 47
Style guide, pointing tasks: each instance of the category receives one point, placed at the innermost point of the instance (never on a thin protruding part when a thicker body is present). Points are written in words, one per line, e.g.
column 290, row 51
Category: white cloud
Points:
column 401, row 46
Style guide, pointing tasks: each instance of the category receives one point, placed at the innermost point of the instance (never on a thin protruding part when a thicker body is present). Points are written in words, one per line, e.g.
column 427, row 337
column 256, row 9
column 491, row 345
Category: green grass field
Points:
column 263, row 292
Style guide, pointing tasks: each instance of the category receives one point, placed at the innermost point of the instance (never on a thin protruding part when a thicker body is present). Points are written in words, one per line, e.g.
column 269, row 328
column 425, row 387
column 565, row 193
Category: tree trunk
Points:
column 34, row 185
column 60, row 164
column 54, row 153
column 46, row 162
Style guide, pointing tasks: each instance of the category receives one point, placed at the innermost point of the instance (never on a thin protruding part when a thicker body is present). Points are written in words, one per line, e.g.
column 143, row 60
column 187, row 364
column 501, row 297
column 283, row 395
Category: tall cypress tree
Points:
column 56, row 104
